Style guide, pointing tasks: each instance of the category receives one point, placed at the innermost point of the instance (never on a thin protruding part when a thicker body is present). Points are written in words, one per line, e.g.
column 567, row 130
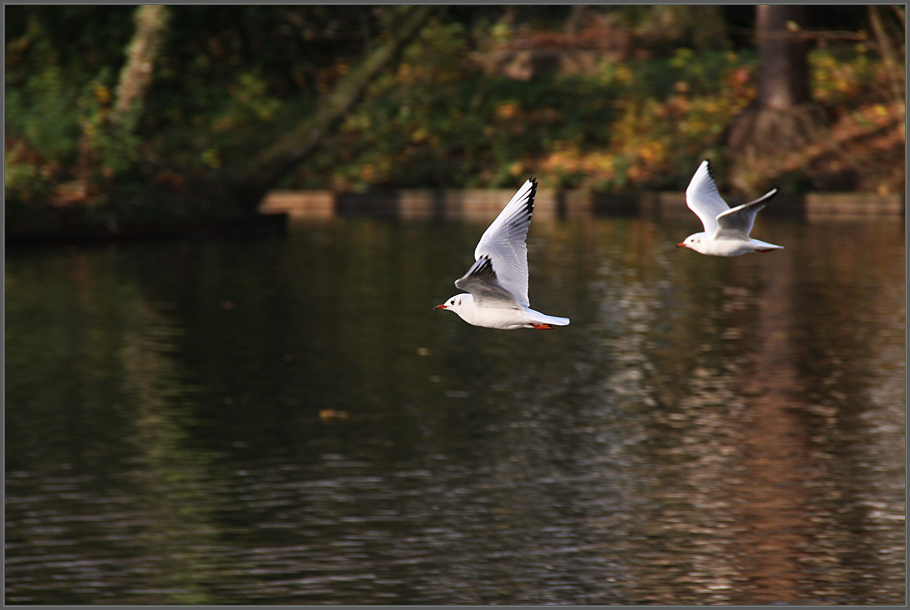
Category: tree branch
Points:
column 282, row 157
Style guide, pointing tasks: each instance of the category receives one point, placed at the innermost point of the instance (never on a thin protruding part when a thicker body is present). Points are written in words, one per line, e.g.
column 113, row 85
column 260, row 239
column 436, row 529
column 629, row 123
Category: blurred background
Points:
column 160, row 112
column 282, row 418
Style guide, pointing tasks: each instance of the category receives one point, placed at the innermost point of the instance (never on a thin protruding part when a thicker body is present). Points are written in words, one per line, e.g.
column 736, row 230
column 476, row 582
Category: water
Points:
column 288, row 421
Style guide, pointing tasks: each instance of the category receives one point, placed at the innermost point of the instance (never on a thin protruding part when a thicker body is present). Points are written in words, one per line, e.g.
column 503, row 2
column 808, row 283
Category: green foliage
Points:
column 27, row 184
column 43, row 113
column 80, row 40
column 839, row 74
column 232, row 80
column 440, row 121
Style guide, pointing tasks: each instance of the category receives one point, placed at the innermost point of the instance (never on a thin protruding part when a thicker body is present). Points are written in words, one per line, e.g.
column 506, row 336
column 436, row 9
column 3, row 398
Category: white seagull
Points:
column 726, row 229
column 497, row 283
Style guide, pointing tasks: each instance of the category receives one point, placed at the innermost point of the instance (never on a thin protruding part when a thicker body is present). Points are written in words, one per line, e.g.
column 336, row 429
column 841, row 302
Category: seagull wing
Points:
column 503, row 243
column 703, row 199
column 484, row 285
column 737, row 222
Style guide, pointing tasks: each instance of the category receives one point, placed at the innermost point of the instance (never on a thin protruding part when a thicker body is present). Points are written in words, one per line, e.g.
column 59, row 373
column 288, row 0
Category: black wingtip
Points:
column 483, row 268
column 708, row 167
column 532, row 194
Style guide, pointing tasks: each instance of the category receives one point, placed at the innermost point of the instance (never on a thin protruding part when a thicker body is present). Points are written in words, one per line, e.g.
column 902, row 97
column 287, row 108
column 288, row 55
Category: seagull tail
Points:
column 763, row 246
column 554, row 320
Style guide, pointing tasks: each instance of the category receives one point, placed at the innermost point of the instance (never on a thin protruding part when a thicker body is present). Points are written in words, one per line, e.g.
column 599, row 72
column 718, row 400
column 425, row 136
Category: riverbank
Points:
column 456, row 204
column 486, row 203
column 261, row 224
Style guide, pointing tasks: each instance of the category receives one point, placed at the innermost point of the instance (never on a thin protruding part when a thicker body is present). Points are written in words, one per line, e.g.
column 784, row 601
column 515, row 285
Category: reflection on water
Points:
column 289, row 421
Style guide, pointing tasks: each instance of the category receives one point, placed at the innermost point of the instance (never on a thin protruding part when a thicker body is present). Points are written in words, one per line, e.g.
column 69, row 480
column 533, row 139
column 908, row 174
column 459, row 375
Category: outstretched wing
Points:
column 703, row 199
column 484, row 285
column 503, row 243
column 737, row 222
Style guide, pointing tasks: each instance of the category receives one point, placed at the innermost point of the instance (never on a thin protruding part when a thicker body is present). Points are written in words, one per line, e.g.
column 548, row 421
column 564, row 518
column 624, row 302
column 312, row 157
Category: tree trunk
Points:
column 784, row 77
column 136, row 76
column 134, row 82
column 783, row 120
column 271, row 165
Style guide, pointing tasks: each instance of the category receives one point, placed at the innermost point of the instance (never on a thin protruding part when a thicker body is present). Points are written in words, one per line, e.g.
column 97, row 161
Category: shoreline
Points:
column 279, row 207
column 484, row 204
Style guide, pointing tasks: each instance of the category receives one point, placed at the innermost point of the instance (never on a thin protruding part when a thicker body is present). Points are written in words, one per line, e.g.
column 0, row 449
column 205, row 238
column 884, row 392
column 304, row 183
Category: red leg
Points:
column 542, row 326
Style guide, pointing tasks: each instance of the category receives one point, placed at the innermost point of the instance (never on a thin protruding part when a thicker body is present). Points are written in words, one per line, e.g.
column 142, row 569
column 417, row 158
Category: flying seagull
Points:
column 726, row 229
column 497, row 283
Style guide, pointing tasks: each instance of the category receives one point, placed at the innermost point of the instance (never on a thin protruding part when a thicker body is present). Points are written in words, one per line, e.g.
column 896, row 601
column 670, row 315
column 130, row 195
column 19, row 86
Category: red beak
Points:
column 440, row 307
column 681, row 245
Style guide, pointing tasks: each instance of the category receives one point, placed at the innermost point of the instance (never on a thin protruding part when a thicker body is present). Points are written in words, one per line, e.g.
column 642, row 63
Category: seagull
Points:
column 726, row 229
column 497, row 282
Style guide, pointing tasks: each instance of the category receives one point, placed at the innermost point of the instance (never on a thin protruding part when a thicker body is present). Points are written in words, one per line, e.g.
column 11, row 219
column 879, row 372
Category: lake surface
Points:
column 288, row 421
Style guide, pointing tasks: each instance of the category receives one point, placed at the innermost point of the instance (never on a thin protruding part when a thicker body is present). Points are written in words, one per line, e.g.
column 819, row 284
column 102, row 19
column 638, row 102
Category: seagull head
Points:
column 458, row 303
column 693, row 242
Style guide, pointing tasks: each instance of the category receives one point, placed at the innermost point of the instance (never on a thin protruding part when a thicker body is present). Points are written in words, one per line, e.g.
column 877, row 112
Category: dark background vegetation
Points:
column 237, row 100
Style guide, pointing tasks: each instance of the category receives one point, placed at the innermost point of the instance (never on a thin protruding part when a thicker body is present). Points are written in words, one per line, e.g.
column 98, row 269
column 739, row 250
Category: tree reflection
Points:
column 171, row 477
column 776, row 461
column 130, row 491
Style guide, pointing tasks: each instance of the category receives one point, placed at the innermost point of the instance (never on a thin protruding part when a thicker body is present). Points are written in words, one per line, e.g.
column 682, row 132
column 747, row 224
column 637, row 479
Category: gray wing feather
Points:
column 738, row 221
column 483, row 284
column 504, row 243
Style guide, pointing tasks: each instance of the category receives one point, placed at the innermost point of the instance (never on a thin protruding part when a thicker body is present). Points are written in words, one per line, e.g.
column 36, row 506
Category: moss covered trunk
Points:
column 784, row 119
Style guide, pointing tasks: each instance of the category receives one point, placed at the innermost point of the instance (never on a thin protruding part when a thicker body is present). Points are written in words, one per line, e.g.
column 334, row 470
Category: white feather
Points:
column 497, row 282
column 726, row 230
